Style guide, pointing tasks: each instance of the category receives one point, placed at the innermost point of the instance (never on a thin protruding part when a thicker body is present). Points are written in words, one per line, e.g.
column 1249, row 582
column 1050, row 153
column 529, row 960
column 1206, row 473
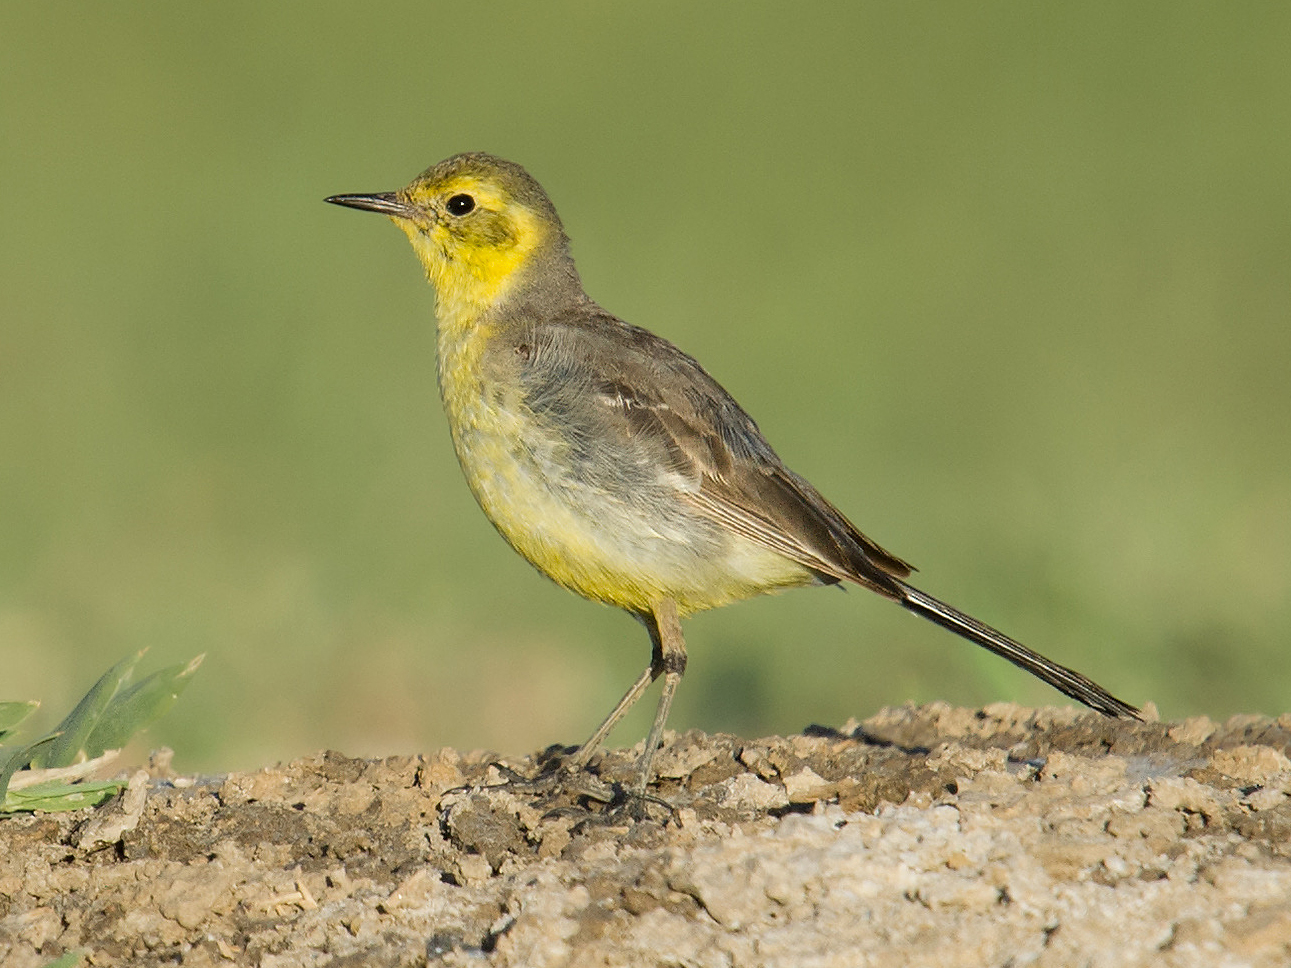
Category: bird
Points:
column 610, row 459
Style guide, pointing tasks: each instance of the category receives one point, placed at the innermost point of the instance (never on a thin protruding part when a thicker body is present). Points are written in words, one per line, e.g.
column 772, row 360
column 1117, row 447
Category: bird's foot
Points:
column 554, row 781
column 581, row 792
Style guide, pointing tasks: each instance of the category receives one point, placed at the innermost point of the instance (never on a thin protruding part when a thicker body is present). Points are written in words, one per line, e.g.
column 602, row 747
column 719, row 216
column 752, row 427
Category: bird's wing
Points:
column 658, row 397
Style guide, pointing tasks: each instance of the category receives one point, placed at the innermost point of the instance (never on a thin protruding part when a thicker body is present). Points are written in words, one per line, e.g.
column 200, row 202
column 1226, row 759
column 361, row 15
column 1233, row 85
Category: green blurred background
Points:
column 1009, row 283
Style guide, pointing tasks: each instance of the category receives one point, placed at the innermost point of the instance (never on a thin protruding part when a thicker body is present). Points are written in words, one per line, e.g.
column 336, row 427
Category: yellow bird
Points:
column 609, row 458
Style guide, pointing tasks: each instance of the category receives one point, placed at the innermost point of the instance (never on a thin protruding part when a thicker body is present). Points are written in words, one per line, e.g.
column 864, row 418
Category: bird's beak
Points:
column 387, row 203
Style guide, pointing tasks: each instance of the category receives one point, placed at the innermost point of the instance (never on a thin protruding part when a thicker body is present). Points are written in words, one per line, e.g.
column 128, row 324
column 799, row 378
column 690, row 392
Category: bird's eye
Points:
column 461, row 204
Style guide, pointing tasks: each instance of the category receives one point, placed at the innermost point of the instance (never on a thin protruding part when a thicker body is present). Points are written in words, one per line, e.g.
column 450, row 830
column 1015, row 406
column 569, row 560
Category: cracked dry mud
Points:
column 923, row 836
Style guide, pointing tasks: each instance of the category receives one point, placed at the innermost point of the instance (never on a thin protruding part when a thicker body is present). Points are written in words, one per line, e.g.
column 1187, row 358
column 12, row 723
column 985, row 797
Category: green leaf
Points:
column 20, row 757
column 80, row 722
column 69, row 959
column 13, row 713
column 135, row 708
column 56, row 795
column 105, row 719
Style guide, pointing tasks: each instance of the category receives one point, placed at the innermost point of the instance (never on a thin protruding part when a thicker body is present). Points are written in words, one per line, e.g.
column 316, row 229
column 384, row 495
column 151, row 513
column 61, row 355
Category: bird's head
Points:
column 478, row 224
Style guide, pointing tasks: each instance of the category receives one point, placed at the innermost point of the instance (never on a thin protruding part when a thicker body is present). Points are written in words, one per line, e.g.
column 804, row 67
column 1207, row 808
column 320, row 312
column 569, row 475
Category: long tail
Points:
column 1060, row 677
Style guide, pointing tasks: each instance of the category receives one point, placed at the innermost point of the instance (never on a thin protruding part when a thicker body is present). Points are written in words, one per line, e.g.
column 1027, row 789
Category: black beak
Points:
column 387, row 203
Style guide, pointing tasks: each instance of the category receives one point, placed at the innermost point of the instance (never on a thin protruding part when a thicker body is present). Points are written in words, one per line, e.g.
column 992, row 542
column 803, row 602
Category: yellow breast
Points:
column 604, row 544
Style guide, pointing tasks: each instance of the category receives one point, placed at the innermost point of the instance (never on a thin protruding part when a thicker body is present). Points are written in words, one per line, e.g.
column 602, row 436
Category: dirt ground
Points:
column 923, row 836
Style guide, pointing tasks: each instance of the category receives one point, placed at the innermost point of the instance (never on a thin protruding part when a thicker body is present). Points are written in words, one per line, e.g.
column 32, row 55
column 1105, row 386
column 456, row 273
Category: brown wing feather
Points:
column 739, row 481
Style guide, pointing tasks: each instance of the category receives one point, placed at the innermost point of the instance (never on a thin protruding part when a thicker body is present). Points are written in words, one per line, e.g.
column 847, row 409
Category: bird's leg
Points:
column 581, row 756
column 667, row 659
column 649, row 675
column 670, row 659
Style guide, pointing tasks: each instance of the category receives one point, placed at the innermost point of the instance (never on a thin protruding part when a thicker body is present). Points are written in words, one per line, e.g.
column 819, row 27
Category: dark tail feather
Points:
column 1060, row 677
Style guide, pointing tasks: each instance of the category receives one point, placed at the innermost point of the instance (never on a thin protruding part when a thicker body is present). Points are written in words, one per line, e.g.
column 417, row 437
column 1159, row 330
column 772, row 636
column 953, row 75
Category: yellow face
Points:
column 476, row 221
column 472, row 235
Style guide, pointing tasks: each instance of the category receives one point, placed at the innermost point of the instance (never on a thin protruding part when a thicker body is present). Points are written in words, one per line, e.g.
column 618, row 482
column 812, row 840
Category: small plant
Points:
column 49, row 773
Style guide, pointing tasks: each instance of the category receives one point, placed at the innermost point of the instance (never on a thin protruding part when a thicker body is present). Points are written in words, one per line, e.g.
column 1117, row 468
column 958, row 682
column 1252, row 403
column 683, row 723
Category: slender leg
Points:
column 584, row 752
column 651, row 673
column 670, row 659
column 667, row 659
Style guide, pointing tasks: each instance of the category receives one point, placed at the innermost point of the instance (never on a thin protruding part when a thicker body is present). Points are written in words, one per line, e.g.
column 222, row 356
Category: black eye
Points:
column 461, row 204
